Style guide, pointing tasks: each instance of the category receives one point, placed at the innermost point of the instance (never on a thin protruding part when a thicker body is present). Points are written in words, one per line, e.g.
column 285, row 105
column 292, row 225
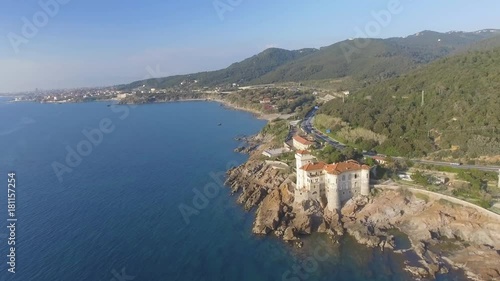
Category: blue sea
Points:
column 108, row 207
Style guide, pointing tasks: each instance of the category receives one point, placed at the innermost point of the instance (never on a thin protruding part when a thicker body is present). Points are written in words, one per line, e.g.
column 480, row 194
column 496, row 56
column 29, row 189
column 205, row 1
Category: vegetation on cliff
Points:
column 459, row 114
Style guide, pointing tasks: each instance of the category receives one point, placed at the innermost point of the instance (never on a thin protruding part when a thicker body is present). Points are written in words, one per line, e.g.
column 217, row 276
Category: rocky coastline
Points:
column 223, row 102
column 443, row 235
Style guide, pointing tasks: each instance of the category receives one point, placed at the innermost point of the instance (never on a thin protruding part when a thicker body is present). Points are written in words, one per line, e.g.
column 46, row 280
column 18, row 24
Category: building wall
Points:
column 350, row 184
column 302, row 191
column 301, row 196
column 332, row 192
column 365, row 182
column 315, row 184
column 300, row 146
column 302, row 160
column 336, row 189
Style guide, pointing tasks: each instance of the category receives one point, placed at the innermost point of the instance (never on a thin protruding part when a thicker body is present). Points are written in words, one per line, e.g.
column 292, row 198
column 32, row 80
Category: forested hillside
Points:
column 241, row 72
column 374, row 58
column 360, row 59
column 460, row 114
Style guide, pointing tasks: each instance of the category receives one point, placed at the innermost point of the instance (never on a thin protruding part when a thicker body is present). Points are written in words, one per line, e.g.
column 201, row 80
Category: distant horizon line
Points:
column 181, row 74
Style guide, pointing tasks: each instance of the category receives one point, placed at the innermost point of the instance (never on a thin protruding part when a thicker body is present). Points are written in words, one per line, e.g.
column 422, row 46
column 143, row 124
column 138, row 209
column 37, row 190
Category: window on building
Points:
column 355, row 176
column 343, row 177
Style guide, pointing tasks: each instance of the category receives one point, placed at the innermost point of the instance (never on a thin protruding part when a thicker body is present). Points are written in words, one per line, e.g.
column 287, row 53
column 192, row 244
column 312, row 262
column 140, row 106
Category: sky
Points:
column 54, row 44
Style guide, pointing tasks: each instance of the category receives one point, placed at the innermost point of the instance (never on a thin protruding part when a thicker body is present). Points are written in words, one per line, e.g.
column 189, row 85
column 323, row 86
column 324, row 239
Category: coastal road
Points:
column 308, row 127
column 477, row 167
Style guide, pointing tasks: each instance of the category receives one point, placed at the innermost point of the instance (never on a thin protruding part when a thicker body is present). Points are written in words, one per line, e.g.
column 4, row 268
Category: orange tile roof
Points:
column 303, row 152
column 314, row 166
column 302, row 140
column 342, row 167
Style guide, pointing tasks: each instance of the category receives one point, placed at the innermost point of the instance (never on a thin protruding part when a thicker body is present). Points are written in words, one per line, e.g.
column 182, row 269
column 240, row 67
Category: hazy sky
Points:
column 72, row 43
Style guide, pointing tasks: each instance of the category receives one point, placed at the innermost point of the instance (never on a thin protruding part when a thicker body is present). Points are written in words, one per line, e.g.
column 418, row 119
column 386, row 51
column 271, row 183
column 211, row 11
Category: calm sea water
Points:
column 116, row 215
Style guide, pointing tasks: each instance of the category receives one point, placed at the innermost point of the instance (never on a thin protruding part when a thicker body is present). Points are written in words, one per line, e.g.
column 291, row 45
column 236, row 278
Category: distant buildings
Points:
column 405, row 176
column 301, row 143
column 380, row 160
column 327, row 98
column 271, row 153
column 329, row 184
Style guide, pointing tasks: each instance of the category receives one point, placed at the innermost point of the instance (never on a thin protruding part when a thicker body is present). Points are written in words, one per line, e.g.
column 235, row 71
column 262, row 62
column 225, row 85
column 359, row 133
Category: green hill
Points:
column 380, row 59
column 460, row 116
column 242, row 72
column 377, row 60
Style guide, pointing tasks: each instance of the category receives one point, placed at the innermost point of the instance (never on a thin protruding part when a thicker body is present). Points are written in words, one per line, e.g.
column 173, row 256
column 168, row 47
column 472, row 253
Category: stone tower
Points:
column 365, row 182
column 302, row 158
column 332, row 193
column 498, row 185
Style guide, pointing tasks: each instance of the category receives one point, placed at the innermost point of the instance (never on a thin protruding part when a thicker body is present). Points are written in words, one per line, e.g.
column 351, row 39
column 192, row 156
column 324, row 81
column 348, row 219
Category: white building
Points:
column 330, row 184
column 498, row 185
column 301, row 143
column 121, row 96
column 327, row 98
column 380, row 160
column 275, row 152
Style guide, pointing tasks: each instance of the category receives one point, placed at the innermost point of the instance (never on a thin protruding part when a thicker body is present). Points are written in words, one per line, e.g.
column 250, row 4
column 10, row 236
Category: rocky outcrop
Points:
column 269, row 214
column 441, row 234
column 444, row 236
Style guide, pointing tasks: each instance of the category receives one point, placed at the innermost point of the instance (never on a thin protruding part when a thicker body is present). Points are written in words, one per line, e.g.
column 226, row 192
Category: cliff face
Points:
column 440, row 233
column 266, row 189
column 443, row 235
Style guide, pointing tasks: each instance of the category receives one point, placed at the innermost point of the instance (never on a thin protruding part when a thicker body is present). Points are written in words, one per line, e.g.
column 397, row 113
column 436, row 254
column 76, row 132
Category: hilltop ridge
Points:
column 380, row 59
